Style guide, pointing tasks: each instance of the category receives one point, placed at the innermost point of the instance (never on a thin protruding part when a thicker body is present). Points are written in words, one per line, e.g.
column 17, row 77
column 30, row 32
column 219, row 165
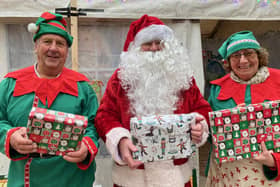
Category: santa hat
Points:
column 145, row 29
column 50, row 23
column 238, row 41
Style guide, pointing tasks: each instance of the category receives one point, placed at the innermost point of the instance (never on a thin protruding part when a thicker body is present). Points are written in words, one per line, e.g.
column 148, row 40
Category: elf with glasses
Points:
column 249, row 81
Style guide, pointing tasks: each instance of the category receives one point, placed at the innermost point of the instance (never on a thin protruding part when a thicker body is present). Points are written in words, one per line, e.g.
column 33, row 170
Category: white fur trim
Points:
column 205, row 130
column 153, row 32
column 155, row 174
column 32, row 27
column 112, row 141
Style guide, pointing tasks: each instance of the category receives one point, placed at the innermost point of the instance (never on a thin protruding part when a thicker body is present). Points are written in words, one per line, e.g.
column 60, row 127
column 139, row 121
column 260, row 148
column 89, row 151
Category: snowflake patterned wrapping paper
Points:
column 162, row 137
column 55, row 133
column 238, row 132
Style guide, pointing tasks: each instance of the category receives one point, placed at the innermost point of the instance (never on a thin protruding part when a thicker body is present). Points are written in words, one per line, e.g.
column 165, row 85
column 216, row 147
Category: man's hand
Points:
column 265, row 157
column 77, row 156
column 197, row 130
column 21, row 143
column 125, row 148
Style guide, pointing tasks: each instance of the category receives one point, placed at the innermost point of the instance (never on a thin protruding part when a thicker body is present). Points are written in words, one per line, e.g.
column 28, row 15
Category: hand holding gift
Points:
column 77, row 156
column 165, row 137
column 20, row 142
column 197, row 130
column 125, row 148
column 265, row 157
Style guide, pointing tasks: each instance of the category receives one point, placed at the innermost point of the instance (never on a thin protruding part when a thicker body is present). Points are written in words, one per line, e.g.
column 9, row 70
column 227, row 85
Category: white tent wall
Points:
column 3, row 51
column 187, row 9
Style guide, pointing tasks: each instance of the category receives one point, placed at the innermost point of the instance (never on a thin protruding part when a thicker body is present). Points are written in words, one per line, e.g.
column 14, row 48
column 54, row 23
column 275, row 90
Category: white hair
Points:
column 152, row 32
column 154, row 80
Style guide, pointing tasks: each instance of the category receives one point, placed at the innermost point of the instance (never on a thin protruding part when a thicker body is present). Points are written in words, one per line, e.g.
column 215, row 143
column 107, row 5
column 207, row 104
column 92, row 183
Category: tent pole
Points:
column 74, row 33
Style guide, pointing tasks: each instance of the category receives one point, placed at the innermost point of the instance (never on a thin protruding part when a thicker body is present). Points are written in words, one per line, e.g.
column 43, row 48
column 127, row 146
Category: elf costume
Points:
column 68, row 92
column 114, row 114
column 230, row 91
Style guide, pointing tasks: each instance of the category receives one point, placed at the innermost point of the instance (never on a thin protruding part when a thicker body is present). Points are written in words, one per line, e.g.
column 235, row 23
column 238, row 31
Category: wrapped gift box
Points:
column 162, row 137
column 55, row 133
column 238, row 132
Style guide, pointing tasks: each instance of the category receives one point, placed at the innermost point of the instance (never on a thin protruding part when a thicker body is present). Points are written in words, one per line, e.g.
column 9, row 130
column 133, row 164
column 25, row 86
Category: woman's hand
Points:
column 265, row 157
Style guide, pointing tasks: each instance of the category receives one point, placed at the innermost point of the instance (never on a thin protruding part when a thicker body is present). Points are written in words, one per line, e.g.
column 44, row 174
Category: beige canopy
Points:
column 180, row 9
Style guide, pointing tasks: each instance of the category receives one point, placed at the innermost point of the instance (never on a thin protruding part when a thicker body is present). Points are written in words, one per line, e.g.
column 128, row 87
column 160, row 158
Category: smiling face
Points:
column 51, row 50
column 244, row 63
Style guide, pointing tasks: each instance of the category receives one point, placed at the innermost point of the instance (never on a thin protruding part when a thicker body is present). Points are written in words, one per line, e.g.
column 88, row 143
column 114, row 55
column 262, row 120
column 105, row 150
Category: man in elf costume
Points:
column 154, row 78
column 57, row 88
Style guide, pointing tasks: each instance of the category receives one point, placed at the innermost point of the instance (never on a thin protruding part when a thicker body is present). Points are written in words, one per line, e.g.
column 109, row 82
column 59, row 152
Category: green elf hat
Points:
column 238, row 41
column 50, row 23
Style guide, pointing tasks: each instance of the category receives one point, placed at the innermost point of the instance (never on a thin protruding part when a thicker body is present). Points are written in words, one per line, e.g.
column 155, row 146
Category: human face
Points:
column 154, row 45
column 51, row 50
column 244, row 63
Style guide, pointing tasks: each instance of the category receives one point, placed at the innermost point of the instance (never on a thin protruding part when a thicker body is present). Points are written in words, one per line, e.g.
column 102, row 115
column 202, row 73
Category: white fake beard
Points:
column 154, row 80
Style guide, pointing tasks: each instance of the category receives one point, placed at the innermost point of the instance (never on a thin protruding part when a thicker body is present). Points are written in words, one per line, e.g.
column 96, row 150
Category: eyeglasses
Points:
column 247, row 54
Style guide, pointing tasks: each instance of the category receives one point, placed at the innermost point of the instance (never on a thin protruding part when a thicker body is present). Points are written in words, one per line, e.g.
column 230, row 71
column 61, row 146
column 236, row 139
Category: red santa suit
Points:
column 113, row 124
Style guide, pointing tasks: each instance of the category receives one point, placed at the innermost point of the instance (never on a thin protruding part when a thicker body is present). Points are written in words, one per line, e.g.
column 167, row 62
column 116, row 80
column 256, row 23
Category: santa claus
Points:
column 154, row 77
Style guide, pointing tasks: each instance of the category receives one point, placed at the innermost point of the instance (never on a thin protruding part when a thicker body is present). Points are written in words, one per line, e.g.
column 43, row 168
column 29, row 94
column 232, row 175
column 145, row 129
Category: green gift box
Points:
column 239, row 131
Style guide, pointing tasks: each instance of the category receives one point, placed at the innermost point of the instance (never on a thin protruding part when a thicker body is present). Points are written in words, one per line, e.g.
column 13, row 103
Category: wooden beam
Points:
column 74, row 33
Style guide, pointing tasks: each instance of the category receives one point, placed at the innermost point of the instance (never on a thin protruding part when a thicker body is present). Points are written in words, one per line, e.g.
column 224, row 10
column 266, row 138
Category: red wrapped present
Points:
column 245, row 128
column 56, row 133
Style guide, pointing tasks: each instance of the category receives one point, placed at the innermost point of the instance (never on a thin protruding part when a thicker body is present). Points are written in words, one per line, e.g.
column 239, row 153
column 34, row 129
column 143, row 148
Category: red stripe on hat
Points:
column 48, row 16
column 63, row 22
column 57, row 25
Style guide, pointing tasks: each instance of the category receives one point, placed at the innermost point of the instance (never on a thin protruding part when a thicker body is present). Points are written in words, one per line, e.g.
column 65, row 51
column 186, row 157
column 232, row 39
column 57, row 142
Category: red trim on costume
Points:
column 230, row 89
column 27, row 173
column 276, row 157
column 92, row 151
column 46, row 89
column 7, row 144
column 236, row 91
